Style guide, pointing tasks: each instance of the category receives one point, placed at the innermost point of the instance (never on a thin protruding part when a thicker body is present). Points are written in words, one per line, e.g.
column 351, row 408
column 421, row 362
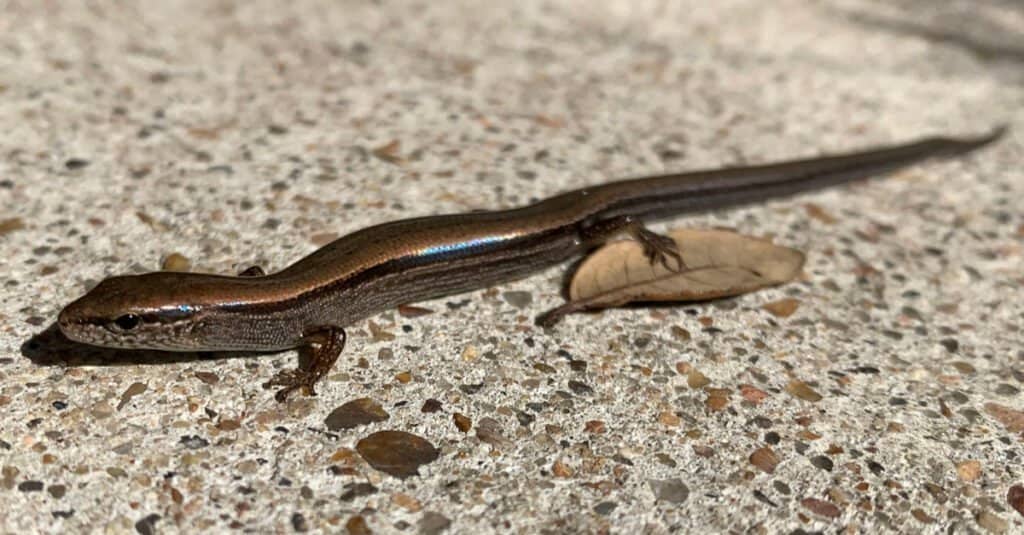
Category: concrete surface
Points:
column 249, row 132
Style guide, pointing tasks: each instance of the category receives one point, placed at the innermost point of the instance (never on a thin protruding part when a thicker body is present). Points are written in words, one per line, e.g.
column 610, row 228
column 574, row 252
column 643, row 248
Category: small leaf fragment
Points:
column 718, row 263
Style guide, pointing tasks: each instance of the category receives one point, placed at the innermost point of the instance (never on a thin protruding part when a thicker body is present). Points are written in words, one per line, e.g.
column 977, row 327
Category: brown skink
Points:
column 309, row 303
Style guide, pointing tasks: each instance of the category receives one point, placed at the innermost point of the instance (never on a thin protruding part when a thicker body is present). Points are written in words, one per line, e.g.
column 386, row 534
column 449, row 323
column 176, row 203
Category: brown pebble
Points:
column 801, row 390
column 175, row 262
column 594, row 426
column 489, row 430
column 561, row 470
column 718, row 398
column 817, row 212
column 228, row 424
column 403, row 377
column 11, row 225
column 462, row 422
column 922, row 516
column 680, row 333
column 992, row 522
column 354, row 413
column 407, row 502
column 1015, row 497
column 765, row 459
column 703, row 451
column 968, row 470
column 753, row 394
column 57, row 491
column 783, row 308
column 357, row 526
column 821, row 507
column 133, row 390
column 396, row 452
column 209, row 378
column 695, row 379
column 431, row 405
column 389, row 152
column 1012, row 419
column 668, row 418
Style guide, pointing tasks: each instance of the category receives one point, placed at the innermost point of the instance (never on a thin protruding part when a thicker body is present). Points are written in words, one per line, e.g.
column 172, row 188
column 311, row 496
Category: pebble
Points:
column 765, row 459
column 431, row 405
column 696, row 380
column 432, row 523
column 489, row 430
column 462, row 422
column 968, row 470
column 992, row 522
column 782, row 308
column 396, row 452
column 354, row 413
column 518, row 299
column 1015, row 497
column 801, row 390
column 821, row 507
column 669, row 490
column 175, row 262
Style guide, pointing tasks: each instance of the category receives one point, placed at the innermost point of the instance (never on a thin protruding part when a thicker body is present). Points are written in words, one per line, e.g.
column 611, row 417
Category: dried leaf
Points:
column 718, row 263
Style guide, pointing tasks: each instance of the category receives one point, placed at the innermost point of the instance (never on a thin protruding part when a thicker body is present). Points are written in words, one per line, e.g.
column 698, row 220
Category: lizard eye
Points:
column 127, row 321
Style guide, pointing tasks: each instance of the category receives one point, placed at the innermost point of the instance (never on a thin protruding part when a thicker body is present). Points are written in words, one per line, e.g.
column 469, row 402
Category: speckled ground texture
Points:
column 252, row 132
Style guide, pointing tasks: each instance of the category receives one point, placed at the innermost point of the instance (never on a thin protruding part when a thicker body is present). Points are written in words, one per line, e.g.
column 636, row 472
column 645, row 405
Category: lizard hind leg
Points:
column 658, row 248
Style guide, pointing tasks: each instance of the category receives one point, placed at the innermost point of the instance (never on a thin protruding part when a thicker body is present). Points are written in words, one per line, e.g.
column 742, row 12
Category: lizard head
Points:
column 160, row 310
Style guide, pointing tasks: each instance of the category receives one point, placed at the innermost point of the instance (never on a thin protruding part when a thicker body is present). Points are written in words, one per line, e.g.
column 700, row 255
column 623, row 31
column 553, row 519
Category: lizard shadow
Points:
column 51, row 348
